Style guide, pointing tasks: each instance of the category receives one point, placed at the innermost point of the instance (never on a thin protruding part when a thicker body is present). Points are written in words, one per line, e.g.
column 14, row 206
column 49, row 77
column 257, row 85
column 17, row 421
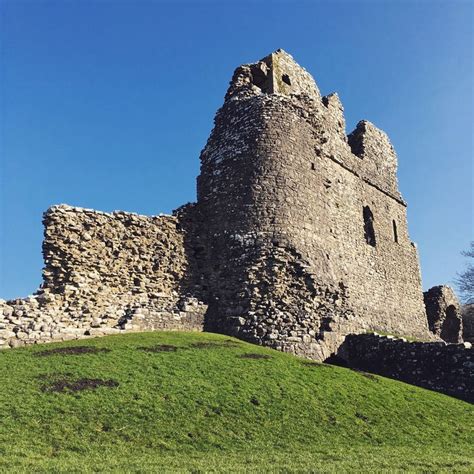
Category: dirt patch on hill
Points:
column 78, row 350
column 366, row 374
column 159, row 348
column 70, row 385
column 210, row 345
column 254, row 356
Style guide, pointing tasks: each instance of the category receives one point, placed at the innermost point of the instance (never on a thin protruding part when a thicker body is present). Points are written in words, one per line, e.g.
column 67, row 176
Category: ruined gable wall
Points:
column 444, row 313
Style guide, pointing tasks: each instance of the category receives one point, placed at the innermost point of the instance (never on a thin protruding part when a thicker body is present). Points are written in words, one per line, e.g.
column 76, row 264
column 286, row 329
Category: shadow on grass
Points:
column 70, row 385
column 78, row 350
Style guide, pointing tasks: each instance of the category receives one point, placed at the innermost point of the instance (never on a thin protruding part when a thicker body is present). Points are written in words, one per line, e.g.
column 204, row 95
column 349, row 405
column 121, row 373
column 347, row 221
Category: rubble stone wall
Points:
column 105, row 273
column 445, row 368
column 118, row 253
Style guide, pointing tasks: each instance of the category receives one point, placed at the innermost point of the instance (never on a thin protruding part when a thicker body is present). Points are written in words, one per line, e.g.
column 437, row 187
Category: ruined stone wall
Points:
column 319, row 207
column 103, row 273
column 102, row 255
column 444, row 313
column 445, row 368
column 280, row 181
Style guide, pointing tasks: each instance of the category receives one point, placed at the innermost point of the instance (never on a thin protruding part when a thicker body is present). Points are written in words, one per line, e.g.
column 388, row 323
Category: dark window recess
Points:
column 395, row 232
column 286, row 79
column 313, row 166
column 369, row 231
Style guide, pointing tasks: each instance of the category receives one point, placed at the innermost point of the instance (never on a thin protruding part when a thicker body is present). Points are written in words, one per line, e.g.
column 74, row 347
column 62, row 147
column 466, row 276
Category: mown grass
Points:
column 204, row 408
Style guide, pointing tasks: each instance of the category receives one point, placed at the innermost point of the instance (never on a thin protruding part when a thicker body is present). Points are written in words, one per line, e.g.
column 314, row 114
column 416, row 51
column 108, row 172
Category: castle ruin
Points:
column 298, row 237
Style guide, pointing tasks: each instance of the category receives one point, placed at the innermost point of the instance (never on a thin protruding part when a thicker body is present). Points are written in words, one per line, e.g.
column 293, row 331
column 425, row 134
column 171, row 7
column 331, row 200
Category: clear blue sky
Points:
column 107, row 105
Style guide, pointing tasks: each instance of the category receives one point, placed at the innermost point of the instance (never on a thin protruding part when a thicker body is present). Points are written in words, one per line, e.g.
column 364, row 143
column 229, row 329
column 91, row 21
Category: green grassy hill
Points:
column 205, row 402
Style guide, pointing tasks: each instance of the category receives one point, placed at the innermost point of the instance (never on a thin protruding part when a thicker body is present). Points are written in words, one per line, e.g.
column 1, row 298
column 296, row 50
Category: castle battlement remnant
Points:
column 298, row 237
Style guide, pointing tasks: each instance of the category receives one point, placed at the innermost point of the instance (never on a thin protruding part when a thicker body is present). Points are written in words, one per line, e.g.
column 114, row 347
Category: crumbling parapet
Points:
column 444, row 313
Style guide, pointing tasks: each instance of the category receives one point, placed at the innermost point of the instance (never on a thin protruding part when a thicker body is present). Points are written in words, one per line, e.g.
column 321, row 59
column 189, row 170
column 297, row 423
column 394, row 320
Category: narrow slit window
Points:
column 395, row 232
column 286, row 79
column 369, row 231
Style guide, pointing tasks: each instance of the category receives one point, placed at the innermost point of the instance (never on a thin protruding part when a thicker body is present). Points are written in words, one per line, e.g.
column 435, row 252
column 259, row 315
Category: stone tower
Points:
column 305, row 231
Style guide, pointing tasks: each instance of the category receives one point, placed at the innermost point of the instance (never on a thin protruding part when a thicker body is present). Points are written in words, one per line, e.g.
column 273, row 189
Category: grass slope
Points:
column 204, row 407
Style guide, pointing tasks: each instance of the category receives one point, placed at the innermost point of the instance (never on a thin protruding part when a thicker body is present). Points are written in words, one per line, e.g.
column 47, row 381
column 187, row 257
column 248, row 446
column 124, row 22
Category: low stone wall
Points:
column 31, row 321
column 445, row 368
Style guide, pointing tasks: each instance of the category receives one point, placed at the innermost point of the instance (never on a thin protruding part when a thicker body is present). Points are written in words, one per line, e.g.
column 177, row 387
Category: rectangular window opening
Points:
column 369, row 231
column 395, row 232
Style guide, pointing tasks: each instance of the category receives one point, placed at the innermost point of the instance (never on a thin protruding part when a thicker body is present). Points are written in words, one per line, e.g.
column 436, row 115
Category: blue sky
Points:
column 107, row 105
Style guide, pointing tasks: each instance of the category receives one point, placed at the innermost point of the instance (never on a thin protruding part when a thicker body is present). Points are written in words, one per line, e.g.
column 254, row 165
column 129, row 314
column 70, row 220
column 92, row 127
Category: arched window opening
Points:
column 369, row 231
column 395, row 232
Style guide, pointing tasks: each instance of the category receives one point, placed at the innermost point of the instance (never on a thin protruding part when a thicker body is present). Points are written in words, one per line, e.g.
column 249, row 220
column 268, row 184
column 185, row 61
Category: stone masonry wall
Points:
column 446, row 368
column 106, row 272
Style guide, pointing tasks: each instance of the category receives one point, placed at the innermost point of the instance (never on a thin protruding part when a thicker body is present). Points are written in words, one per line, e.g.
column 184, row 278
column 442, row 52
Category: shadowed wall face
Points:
column 445, row 368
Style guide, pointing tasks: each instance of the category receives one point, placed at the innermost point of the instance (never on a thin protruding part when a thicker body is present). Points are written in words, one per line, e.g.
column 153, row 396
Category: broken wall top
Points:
column 278, row 81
